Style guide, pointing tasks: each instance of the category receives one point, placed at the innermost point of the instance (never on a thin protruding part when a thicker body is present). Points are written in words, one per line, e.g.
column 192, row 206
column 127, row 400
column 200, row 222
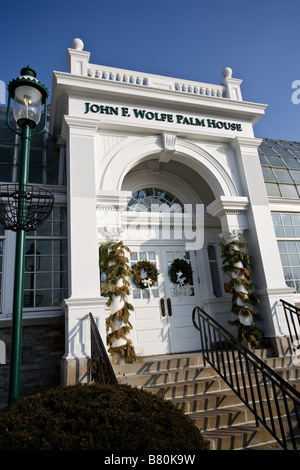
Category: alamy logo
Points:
column 163, row 223
column 296, row 94
column 2, row 92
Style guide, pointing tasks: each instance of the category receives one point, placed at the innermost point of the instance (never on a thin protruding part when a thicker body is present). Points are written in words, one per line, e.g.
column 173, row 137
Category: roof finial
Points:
column 77, row 44
column 227, row 72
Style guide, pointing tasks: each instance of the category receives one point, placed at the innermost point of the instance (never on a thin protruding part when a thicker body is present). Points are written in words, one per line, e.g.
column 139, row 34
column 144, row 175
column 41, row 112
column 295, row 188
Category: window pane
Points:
column 292, row 163
column 287, row 190
column 276, row 219
column 289, row 232
column 45, row 229
column 267, row 150
column 291, row 247
column 154, row 200
column 43, row 280
column 46, row 275
column 6, row 154
column 279, row 232
column 276, row 161
column 296, row 176
column 268, row 175
column 294, row 260
column 296, row 219
column 7, row 136
column 282, row 247
column 52, row 166
column 35, row 175
column 272, row 189
column 6, row 163
column 6, row 173
column 286, row 219
column 283, row 176
column 44, row 246
column 285, row 260
column 263, row 161
column 283, row 152
column 287, row 225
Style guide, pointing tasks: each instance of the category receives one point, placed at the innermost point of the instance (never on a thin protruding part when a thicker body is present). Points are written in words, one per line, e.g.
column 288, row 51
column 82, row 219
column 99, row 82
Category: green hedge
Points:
column 97, row 417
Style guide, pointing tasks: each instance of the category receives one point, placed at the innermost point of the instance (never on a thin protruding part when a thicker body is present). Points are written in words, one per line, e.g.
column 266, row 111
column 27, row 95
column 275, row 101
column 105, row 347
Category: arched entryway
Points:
column 159, row 190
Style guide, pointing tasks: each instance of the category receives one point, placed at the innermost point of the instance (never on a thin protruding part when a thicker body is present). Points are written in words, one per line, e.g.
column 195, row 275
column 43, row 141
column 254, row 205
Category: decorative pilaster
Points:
column 84, row 278
column 268, row 272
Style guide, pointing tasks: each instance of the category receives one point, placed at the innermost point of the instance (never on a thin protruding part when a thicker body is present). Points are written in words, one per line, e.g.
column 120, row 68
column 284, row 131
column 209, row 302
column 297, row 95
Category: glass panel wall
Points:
column 280, row 161
column 287, row 229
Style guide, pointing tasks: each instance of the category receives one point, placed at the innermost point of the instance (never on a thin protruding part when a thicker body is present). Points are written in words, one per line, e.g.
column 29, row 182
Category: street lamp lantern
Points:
column 29, row 95
column 22, row 207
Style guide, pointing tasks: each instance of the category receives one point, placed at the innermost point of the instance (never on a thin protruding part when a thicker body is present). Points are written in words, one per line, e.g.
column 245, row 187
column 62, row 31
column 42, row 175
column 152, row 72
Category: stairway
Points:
column 197, row 389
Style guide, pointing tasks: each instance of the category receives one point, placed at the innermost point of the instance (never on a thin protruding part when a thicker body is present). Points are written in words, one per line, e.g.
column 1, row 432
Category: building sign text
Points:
column 158, row 116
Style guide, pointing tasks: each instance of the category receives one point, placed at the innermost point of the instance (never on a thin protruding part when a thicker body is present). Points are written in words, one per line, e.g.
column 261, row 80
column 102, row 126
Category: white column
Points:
column 267, row 273
column 84, row 279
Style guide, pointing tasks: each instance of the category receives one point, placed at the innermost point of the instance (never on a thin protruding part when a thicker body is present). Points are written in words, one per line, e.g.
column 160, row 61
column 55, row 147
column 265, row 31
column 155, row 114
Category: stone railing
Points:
column 156, row 81
column 117, row 75
column 78, row 62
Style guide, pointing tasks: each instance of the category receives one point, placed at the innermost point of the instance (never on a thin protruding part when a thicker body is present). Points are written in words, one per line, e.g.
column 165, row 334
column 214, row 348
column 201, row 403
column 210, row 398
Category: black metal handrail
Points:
column 101, row 368
column 292, row 316
column 273, row 401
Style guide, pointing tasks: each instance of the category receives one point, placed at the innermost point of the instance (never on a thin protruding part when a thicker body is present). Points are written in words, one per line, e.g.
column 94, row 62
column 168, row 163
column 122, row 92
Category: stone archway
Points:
column 131, row 151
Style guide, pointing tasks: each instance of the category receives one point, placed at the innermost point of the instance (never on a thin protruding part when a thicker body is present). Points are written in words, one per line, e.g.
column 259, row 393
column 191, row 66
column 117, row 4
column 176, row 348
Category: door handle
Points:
column 163, row 308
column 169, row 304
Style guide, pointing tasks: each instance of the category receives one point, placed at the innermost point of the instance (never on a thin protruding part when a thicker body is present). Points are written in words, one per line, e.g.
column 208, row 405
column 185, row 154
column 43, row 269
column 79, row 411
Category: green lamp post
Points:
column 29, row 96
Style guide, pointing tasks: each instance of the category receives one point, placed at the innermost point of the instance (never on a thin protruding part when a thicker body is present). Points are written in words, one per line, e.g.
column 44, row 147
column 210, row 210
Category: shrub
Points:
column 97, row 417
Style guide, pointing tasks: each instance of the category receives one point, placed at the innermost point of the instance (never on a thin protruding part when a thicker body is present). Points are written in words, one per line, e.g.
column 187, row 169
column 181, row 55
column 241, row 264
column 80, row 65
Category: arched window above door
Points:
column 154, row 200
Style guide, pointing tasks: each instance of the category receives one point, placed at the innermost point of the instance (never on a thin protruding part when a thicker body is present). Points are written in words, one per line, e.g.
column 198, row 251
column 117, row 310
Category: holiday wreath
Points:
column 182, row 267
column 148, row 269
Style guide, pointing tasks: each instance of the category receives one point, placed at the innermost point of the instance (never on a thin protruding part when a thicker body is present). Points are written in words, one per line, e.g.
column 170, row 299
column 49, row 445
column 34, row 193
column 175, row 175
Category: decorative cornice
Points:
column 249, row 143
column 78, row 126
column 224, row 206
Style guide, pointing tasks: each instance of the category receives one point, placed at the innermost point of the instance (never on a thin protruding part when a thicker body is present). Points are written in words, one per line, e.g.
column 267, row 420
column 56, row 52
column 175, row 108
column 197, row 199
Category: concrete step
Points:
column 245, row 436
column 208, row 401
column 146, row 379
column 237, row 437
column 197, row 389
column 239, row 413
column 160, row 363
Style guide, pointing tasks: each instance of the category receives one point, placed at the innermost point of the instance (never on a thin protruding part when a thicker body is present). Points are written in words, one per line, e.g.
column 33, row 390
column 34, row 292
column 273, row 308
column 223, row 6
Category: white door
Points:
column 162, row 316
column 180, row 302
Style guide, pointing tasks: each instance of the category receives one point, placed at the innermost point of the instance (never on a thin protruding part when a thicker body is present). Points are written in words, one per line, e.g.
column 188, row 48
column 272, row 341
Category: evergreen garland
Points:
column 237, row 264
column 114, row 264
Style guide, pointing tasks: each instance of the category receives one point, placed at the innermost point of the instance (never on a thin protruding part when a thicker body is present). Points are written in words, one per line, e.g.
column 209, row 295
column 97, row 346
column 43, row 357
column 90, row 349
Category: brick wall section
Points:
column 42, row 350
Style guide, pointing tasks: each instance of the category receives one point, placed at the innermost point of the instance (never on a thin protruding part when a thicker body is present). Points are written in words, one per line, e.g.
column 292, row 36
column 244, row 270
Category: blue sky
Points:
column 188, row 39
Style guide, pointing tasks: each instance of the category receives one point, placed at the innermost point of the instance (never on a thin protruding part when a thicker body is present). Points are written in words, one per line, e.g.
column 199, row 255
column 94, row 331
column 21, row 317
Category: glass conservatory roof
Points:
column 280, row 161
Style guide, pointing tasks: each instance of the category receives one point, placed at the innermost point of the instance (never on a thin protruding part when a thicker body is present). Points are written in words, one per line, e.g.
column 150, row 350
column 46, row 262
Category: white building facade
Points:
column 172, row 168
column 138, row 148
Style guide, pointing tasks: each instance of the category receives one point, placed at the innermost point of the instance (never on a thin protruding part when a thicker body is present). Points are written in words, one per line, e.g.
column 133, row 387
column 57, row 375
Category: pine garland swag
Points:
column 114, row 264
column 237, row 264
